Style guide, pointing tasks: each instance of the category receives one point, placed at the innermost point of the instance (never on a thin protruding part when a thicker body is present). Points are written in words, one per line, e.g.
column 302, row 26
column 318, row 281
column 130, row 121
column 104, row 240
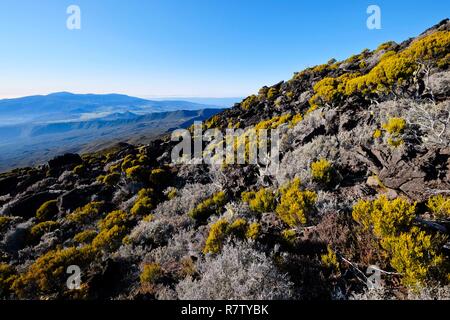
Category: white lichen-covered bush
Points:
column 238, row 273
column 297, row 163
column 156, row 232
column 185, row 200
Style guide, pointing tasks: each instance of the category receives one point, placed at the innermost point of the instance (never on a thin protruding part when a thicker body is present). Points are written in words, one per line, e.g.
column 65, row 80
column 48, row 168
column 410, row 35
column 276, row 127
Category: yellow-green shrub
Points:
column 111, row 179
column 295, row 204
column 89, row 212
column 47, row 210
column 208, row 207
column 79, row 170
column 137, row 173
column 47, row 274
column 117, row 217
column 289, row 236
column 249, row 102
column 109, row 239
column 322, row 171
column 253, row 231
column 260, row 201
column 330, row 259
column 216, row 235
column 295, row 120
column 439, row 206
column 4, row 221
column 151, row 273
column 7, row 277
column 395, row 127
column 377, row 134
column 272, row 93
column 85, row 236
column 42, row 228
column 238, row 227
column 143, row 204
column 158, row 176
column 417, row 256
column 385, row 217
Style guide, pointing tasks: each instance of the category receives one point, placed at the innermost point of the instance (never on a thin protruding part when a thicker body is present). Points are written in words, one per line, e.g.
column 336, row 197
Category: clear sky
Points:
column 195, row 48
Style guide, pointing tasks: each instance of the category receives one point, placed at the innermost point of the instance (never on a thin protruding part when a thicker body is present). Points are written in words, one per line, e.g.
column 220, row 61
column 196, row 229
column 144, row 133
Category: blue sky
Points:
column 195, row 48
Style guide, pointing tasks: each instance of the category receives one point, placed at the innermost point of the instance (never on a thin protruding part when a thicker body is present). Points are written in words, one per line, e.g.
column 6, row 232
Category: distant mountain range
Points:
column 66, row 106
column 36, row 128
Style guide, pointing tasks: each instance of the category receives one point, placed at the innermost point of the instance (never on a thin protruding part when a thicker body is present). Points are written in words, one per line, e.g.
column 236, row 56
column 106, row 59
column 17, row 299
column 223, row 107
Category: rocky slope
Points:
column 364, row 179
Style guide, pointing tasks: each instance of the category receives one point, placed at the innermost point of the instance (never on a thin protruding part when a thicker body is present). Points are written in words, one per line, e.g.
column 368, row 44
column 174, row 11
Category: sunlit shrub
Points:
column 272, row 93
column 417, row 256
column 79, row 170
column 47, row 275
column 47, row 210
column 249, row 102
column 151, row 273
column 238, row 227
column 91, row 211
column 322, row 171
column 158, row 176
column 216, row 236
column 295, row 204
column 330, row 260
column 42, row 228
column 137, row 173
column 289, row 236
column 111, row 179
column 4, row 222
column 85, row 236
column 143, row 205
column 253, row 231
column 208, row 207
column 114, row 218
column 439, row 206
column 260, row 201
column 109, row 239
column 385, row 217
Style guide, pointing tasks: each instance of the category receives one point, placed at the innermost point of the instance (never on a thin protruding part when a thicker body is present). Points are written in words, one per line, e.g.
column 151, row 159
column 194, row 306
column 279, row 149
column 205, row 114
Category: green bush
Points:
column 439, row 206
column 7, row 277
column 260, row 201
column 47, row 275
column 217, row 235
column 42, row 228
column 417, row 256
column 322, row 171
column 85, row 236
column 47, row 210
column 143, row 205
column 249, row 102
column 89, row 212
column 385, row 217
column 111, row 179
column 4, row 222
column 253, row 231
column 208, row 207
column 151, row 273
column 295, row 204
column 79, row 170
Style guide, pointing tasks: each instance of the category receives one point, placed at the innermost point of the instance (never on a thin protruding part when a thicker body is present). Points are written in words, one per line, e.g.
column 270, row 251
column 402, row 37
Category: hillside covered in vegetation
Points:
column 363, row 180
